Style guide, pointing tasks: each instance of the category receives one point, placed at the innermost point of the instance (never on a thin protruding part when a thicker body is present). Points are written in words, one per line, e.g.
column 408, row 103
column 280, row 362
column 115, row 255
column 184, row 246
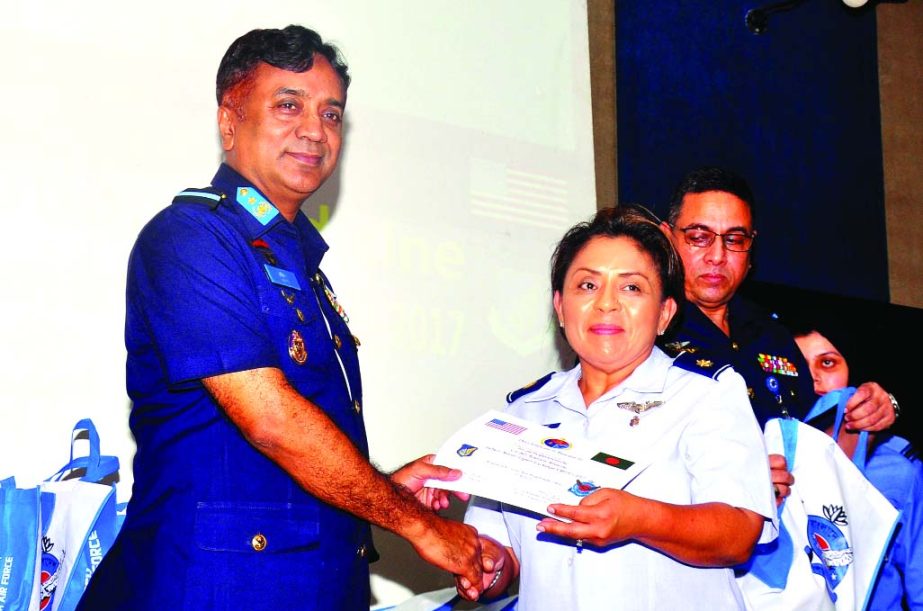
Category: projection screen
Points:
column 468, row 153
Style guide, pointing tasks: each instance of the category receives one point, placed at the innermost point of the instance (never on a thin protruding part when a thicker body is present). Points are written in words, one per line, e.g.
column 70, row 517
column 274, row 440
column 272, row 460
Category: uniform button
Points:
column 357, row 407
column 735, row 346
column 362, row 551
column 258, row 542
column 337, row 342
column 356, row 341
column 300, row 314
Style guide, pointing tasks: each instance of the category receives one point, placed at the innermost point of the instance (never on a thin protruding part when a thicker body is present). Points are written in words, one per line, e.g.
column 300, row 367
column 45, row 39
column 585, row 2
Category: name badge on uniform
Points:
column 281, row 277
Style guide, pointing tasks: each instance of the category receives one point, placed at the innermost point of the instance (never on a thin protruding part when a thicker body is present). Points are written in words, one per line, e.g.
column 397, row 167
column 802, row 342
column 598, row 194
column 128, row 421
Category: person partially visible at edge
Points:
column 893, row 467
column 252, row 482
column 711, row 223
column 668, row 540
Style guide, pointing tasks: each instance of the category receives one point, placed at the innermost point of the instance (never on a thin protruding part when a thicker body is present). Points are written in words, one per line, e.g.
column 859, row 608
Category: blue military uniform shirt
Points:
column 760, row 349
column 220, row 282
column 897, row 472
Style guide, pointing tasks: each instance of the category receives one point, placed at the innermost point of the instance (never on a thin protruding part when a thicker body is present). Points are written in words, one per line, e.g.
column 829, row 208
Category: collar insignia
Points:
column 256, row 205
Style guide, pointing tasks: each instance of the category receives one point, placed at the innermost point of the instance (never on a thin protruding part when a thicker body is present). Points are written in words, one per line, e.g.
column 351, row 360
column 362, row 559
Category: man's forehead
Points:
column 289, row 82
column 714, row 208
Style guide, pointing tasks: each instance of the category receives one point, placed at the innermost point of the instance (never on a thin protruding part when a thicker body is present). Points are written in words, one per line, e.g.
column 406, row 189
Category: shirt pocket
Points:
column 251, row 528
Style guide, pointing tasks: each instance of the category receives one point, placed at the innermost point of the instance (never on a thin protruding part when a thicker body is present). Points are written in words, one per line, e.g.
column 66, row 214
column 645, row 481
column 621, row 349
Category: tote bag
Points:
column 835, row 527
column 77, row 519
column 20, row 534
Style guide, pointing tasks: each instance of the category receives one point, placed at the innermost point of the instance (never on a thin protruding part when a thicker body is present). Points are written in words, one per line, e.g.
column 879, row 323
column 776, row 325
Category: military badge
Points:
column 777, row 364
column 263, row 248
column 638, row 408
column 256, row 205
column 296, row 348
column 332, row 298
column 678, row 347
column 772, row 383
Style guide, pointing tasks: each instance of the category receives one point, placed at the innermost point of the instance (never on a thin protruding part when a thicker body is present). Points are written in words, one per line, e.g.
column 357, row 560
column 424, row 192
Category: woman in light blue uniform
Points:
column 668, row 540
column 891, row 465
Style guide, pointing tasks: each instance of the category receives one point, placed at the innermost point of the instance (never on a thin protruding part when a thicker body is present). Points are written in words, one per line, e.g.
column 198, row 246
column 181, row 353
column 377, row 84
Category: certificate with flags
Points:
column 529, row 465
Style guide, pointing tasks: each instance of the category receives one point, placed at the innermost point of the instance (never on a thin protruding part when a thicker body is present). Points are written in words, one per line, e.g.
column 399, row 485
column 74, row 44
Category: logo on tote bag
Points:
column 50, row 566
column 827, row 543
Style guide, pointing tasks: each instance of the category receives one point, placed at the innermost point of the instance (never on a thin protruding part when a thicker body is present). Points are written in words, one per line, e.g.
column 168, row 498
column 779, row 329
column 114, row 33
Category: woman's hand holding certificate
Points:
column 529, row 465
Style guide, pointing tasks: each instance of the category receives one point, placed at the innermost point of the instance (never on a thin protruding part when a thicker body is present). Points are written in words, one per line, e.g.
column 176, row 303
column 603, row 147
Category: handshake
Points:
column 482, row 567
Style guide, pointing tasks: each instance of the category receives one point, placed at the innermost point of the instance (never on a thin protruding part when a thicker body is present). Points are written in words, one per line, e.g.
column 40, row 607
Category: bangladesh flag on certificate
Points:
column 613, row 461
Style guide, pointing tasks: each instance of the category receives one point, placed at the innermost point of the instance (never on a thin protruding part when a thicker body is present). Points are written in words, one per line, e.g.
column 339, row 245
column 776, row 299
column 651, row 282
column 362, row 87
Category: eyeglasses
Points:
column 735, row 241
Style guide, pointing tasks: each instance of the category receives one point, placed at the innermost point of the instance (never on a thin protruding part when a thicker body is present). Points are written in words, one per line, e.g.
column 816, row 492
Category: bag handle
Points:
column 838, row 398
column 789, row 429
column 97, row 466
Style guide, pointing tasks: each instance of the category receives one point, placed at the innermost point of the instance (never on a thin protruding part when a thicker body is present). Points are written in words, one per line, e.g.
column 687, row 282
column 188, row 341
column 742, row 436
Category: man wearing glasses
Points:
column 710, row 222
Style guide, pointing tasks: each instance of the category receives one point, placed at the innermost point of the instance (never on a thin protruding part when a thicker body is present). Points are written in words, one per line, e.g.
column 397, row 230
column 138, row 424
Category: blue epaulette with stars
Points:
column 208, row 196
column 530, row 387
column 699, row 362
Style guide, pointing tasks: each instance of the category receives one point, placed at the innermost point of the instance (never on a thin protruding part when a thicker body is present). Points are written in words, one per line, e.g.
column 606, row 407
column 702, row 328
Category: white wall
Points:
column 468, row 153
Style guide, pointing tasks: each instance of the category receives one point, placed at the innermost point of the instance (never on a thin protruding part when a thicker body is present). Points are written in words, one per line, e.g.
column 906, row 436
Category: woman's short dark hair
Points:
column 292, row 48
column 631, row 221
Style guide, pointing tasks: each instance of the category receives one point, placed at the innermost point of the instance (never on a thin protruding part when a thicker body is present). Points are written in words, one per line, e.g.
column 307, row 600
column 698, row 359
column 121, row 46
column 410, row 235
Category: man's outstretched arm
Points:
column 299, row 437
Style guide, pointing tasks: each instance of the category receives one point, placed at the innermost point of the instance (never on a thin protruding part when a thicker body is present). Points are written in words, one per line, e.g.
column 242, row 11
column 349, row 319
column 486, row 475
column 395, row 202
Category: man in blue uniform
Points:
column 711, row 224
column 252, row 484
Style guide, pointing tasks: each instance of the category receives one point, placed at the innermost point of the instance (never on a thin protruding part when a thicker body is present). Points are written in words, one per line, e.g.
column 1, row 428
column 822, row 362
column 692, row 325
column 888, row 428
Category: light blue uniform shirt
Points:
column 899, row 477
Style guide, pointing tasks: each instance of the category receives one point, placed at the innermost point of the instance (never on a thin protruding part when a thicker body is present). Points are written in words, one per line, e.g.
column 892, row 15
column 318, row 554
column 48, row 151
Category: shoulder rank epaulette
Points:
column 700, row 363
column 208, row 196
column 530, row 387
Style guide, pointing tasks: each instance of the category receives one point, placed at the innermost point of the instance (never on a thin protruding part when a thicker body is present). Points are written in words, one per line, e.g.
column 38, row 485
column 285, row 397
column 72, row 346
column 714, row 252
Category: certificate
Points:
column 529, row 465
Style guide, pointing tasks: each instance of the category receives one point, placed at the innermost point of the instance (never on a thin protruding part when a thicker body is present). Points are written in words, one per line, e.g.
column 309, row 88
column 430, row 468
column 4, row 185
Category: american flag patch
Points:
column 509, row 427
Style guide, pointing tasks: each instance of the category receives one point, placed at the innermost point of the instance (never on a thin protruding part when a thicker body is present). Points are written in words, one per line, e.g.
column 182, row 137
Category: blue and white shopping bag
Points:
column 835, row 527
column 59, row 530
